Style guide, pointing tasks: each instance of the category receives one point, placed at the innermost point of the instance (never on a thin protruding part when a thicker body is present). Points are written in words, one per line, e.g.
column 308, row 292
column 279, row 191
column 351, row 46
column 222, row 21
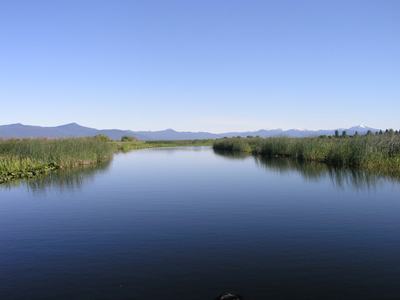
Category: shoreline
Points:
column 375, row 153
column 24, row 158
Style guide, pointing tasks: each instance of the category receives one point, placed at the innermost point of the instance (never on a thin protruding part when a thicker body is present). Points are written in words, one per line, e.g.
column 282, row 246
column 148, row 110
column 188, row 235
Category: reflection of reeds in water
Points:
column 183, row 148
column 30, row 157
column 231, row 155
column 360, row 179
column 340, row 176
column 381, row 152
column 61, row 180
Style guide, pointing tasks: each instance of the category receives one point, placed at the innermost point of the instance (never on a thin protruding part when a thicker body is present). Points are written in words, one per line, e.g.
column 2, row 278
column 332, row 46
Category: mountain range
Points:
column 74, row 130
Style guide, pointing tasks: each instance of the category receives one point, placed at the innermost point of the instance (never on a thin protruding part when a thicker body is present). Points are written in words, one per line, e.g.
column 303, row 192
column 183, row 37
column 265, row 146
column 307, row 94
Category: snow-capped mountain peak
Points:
column 359, row 127
column 300, row 129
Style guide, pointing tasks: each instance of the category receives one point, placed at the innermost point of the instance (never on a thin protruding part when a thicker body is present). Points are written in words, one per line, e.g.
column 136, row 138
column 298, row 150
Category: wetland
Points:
column 193, row 223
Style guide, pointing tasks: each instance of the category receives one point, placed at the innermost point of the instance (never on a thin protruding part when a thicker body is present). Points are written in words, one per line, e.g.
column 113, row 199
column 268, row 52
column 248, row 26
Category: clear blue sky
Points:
column 212, row 66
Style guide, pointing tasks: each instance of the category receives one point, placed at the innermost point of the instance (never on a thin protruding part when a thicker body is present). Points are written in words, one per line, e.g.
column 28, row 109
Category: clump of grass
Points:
column 236, row 144
column 28, row 157
column 381, row 152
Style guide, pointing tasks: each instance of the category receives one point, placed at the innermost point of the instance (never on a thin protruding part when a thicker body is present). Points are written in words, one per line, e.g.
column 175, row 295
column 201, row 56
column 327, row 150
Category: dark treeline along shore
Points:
column 379, row 152
column 28, row 157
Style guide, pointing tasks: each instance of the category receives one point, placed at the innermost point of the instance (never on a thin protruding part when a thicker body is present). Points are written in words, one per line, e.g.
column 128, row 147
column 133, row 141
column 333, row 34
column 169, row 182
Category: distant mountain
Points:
column 74, row 130
column 69, row 130
column 361, row 129
column 170, row 134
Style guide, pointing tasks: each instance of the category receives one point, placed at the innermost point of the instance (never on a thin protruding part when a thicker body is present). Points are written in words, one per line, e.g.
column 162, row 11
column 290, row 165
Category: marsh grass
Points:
column 32, row 156
column 29, row 157
column 360, row 178
column 381, row 152
column 127, row 146
column 64, row 179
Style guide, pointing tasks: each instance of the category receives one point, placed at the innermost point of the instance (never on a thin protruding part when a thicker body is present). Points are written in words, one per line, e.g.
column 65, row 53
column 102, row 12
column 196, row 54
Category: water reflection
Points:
column 187, row 148
column 155, row 225
column 61, row 180
column 314, row 171
column 341, row 177
column 232, row 155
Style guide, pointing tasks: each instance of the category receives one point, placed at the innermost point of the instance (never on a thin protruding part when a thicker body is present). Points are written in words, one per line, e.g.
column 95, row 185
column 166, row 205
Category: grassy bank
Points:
column 380, row 152
column 29, row 157
column 127, row 146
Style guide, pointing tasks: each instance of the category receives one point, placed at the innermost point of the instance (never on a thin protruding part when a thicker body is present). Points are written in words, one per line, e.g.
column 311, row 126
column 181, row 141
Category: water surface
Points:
column 189, row 223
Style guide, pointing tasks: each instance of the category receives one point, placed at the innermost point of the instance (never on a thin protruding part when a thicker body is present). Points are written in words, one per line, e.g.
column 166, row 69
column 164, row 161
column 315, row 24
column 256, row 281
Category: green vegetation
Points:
column 127, row 146
column 102, row 137
column 29, row 157
column 380, row 152
column 128, row 138
column 70, row 178
column 340, row 175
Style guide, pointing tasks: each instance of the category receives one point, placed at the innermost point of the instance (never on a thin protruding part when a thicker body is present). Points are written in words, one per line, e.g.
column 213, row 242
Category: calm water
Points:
column 188, row 223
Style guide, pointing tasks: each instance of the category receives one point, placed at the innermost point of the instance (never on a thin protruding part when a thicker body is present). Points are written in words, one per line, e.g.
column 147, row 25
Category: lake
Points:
column 190, row 223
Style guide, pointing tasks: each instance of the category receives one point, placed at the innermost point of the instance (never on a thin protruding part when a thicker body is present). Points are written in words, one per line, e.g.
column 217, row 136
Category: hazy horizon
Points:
column 201, row 66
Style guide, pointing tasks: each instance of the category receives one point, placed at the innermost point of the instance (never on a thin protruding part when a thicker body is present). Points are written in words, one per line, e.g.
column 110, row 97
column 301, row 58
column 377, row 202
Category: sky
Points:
column 215, row 66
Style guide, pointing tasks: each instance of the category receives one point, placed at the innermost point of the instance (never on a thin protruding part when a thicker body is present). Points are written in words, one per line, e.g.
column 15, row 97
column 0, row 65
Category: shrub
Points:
column 128, row 138
column 102, row 137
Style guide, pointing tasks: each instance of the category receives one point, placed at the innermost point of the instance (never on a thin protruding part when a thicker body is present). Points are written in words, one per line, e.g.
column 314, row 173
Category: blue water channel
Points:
column 190, row 223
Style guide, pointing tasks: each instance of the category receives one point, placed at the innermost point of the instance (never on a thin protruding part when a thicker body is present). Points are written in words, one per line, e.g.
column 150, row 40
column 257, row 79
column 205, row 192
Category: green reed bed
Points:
column 29, row 157
column 127, row 146
column 380, row 152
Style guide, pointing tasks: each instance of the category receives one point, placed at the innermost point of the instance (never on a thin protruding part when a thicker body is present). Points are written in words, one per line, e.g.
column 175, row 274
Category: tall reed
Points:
column 380, row 152
column 27, row 156
column 233, row 144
